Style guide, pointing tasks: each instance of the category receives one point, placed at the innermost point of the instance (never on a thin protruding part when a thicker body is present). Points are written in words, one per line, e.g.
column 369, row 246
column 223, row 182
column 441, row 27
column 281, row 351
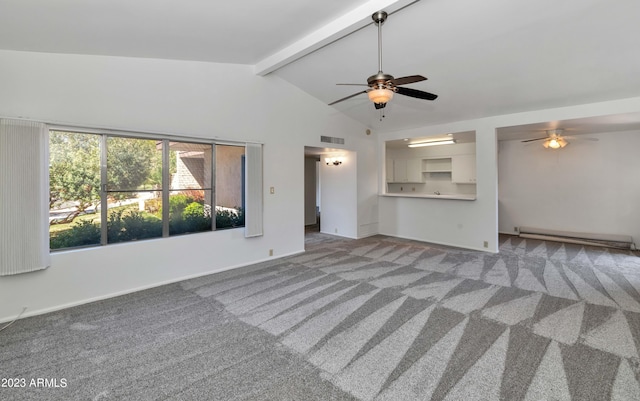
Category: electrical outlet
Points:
column 515, row 229
column 486, row 244
column 270, row 252
column 272, row 190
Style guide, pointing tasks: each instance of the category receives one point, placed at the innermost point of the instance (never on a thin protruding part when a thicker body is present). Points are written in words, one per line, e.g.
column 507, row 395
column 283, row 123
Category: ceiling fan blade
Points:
column 580, row 138
column 348, row 97
column 407, row 80
column 416, row 93
column 380, row 105
column 536, row 139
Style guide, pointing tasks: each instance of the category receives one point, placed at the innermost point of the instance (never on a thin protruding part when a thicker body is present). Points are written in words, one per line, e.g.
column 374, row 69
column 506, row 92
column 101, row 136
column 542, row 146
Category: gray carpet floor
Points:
column 378, row 318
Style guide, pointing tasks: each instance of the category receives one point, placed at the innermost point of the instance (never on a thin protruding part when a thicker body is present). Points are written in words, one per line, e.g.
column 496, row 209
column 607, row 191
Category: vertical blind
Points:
column 253, row 190
column 24, row 194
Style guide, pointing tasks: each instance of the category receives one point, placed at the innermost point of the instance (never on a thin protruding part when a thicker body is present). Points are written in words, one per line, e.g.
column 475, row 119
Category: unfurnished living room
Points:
column 337, row 200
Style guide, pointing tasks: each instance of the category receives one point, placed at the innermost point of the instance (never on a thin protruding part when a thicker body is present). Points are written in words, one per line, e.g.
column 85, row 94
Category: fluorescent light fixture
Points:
column 433, row 143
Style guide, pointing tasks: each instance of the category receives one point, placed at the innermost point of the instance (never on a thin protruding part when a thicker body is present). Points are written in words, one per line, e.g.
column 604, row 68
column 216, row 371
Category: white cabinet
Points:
column 389, row 169
column 404, row 170
column 414, row 170
column 463, row 169
column 460, row 168
column 399, row 170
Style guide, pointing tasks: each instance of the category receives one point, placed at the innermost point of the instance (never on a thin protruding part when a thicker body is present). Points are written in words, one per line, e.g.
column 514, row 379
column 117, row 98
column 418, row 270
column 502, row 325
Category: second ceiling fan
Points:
column 383, row 86
column 556, row 139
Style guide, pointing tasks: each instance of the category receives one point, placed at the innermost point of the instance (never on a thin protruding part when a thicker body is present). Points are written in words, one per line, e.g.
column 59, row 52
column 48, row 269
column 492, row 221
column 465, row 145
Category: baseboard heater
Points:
column 591, row 239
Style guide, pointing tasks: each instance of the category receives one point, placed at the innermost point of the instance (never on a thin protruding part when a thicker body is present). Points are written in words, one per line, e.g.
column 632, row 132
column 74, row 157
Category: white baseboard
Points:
column 56, row 308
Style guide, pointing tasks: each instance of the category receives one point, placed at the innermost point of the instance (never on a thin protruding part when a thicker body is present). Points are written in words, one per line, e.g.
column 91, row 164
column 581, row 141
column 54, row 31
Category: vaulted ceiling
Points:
column 482, row 58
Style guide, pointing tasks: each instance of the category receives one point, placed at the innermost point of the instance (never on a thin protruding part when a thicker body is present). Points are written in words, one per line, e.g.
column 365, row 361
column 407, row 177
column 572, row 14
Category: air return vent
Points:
column 331, row 139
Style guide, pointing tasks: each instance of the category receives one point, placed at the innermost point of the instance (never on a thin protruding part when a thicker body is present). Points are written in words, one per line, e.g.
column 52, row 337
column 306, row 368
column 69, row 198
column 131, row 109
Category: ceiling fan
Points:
column 382, row 86
column 555, row 139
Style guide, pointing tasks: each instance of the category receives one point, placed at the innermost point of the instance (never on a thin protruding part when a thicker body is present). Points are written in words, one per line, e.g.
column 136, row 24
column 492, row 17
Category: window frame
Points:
column 166, row 189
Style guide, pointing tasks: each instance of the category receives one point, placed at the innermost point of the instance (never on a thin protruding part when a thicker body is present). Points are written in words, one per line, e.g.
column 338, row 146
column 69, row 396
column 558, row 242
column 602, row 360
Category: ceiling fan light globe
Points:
column 555, row 143
column 380, row 95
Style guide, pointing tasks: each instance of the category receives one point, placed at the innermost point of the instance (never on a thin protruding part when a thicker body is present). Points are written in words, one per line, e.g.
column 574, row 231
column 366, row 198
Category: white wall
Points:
column 367, row 186
column 186, row 99
column 585, row 187
column 318, row 186
column 468, row 224
column 339, row 197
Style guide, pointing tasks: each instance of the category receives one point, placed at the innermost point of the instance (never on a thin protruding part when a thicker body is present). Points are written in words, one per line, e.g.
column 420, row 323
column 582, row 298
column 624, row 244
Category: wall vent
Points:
column 331, row 139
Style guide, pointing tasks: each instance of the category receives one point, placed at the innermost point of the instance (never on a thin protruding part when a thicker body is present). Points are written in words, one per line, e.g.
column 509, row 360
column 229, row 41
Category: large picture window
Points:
column 108, row 189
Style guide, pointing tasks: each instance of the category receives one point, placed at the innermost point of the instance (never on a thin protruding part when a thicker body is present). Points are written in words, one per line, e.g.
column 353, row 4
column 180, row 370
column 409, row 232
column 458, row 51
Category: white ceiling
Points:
column 573, row 127
column 482, row 58
column 239, row 32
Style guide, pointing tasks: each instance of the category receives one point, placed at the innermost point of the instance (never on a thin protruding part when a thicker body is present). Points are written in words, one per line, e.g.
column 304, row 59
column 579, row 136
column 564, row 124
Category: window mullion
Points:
column 166, row 178
column 104, row 208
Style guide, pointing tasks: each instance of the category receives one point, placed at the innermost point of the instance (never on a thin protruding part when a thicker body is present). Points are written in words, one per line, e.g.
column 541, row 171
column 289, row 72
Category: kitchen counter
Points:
column 432, row 196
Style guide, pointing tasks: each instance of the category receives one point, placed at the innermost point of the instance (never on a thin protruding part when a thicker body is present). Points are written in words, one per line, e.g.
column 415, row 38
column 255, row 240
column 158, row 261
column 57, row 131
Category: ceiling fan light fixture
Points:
column 380, row 95
column 555, row 143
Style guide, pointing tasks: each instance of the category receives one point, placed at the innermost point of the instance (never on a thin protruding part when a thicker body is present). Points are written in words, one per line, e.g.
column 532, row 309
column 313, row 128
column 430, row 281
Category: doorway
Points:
column 311, row 193
column 321, row 197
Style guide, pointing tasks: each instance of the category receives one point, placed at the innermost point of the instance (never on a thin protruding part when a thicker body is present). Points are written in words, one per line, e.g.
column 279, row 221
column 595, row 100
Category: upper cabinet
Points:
column 414, row 170
column 463, row 169
column 389, row 169
column 399, row 170
column 404, row 170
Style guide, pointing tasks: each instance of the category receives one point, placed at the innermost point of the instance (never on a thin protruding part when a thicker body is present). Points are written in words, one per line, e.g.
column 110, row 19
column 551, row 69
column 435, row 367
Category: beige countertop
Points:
column 431, row 196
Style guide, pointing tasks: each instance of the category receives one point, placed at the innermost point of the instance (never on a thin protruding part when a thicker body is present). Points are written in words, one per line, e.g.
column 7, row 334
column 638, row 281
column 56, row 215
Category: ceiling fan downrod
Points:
column 379, row 18
column 380, row 80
